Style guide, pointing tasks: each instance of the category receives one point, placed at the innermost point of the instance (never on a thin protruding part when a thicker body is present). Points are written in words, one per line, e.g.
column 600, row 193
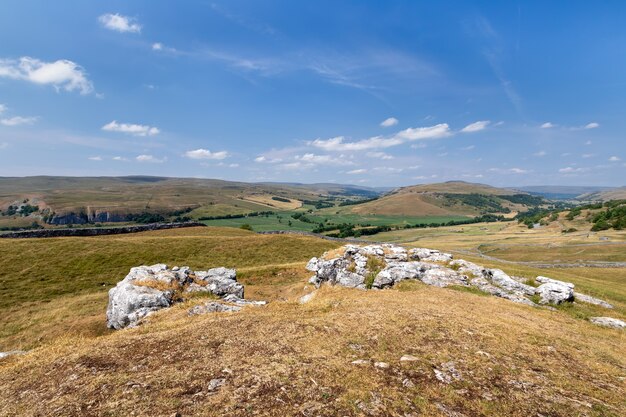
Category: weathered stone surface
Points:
column 432, row 255
column 608, row 322
column 447, row 373
column 398, row 271
column 212, row 307
column 552, row 293
column 502, row 280
column 591, row 300
column 546, row 280
column 466, row 267
column 443, row 277
column 147, row 289
column 232, row 298
column 221, row 281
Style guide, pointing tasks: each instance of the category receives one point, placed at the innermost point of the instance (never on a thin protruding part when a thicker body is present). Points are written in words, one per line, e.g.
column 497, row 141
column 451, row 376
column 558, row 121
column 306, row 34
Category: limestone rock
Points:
column 502, row 280
column 553, row 293
column 431, row 255
column 212, row 307
column 232, row 298
column 608, row 322
column 546, row 280
column 147, row 289
column 11, row 353
column 591, row 300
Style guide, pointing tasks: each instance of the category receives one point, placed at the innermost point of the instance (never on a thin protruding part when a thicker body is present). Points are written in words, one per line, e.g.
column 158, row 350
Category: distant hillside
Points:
column 102, row 199
column 562, row 192
column 448, row 198
column 605, row 195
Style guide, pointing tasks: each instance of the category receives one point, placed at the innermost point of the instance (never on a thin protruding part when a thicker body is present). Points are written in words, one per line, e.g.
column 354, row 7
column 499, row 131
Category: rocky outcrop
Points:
column 608, row 322
column 591, row 300
column 383, row 266
column 147, row 289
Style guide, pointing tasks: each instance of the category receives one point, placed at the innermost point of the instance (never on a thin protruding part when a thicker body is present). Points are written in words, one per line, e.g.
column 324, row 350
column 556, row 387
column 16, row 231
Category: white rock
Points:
column 381, row 365
column 608, row 322
column 212, row 307
column 591, row 300
column 546, row 280
column 308, row 297
column 502, row 280
column 553, row 293
column 409, row 358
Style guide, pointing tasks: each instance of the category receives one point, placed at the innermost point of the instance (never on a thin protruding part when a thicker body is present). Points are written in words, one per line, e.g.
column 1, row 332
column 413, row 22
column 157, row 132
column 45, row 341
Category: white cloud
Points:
column 61, row 74
column 132, row 129
column 540, row 153
column 18, row 120
column 518, row 171
column 357, row 171
column 157, row 46
column 265, row 159
column 571, row 170
column 468, row 148
column 379, row 155
column 119, row 158
column 547, row 125
column 378, row 142
column 311, row 158
column 392, row 121
column 588, row 155
column 3, row 108
column 592, row 125
column 476, row 126
column 233, row 165
column 150, row 158
column 119, row 23
column 206, row 154
column 614, row 159
column 95, row 158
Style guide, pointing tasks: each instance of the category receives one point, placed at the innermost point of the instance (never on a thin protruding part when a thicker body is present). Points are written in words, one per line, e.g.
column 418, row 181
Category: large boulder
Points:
column 502, row 280
column 551, row 293
column 220, row 282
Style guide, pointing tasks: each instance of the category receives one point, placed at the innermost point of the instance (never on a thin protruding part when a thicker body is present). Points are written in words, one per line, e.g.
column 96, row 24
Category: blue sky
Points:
column 373, row 93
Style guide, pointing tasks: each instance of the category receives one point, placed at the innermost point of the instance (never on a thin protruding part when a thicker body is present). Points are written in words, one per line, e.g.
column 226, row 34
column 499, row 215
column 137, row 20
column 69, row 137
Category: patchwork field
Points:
column 296, row 359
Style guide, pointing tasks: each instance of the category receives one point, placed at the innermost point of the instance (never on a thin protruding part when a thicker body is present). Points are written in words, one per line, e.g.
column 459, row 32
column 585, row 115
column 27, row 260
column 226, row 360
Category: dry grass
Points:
column 291, row 359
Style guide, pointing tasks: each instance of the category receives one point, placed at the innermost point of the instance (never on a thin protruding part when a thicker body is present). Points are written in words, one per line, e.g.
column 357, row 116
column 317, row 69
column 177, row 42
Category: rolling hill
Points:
column 448, row 198
column 605, row 195
column 113, row 198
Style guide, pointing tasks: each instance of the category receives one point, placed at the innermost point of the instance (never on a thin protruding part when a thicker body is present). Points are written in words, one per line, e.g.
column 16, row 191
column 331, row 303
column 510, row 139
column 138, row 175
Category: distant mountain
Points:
column 448, row 198
column 605, row 195
column 562, row 192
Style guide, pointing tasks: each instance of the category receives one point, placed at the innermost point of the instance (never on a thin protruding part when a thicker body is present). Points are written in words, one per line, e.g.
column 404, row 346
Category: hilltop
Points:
column 448, row 198
column 605, row 195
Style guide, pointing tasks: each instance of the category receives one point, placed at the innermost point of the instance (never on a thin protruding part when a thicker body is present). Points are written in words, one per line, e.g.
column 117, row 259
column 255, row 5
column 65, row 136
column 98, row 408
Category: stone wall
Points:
column 97, row 231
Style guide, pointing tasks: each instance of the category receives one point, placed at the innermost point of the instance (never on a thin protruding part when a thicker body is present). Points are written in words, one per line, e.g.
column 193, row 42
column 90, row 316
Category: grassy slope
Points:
column 291, row 359
column 424, row 200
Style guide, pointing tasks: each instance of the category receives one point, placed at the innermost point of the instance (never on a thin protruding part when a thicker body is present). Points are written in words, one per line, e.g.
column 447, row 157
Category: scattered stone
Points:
column 232, row 298
column 360, row 362
column 608, row 322
column 307, row 297
column 381, row 365
column 407, row 383
column 409, row 358
column 212, row 307
column 215, row 384
column 591, row 300
column 447, row 373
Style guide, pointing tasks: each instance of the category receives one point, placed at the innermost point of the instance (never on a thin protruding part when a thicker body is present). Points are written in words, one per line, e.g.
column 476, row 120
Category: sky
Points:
column 374, row 93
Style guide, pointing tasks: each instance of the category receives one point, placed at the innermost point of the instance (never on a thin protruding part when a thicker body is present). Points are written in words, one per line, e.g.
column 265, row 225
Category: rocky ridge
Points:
column 381, row 266
column 147, row 289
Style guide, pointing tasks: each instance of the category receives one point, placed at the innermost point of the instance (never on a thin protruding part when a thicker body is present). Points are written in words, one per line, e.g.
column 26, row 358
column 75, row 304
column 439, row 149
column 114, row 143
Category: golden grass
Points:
column 291, row 359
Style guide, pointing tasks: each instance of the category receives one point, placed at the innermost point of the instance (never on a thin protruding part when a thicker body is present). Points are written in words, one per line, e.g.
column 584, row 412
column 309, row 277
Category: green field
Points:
column 285, row 221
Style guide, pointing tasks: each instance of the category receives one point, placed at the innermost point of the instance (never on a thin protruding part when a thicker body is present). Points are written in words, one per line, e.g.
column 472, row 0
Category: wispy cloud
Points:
column 119, row 23
column 540, row 153
column 572, row 170
column 62, row 74
column 476, row 126
column 206, row 154
column 615, row 159
column 392, row 121
column 131, row 129
column 150, row 158
column 95, row 158
column 378, row 142
column 547, row 125
column 357, row 171
column 379, row 155
column 18, row 120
